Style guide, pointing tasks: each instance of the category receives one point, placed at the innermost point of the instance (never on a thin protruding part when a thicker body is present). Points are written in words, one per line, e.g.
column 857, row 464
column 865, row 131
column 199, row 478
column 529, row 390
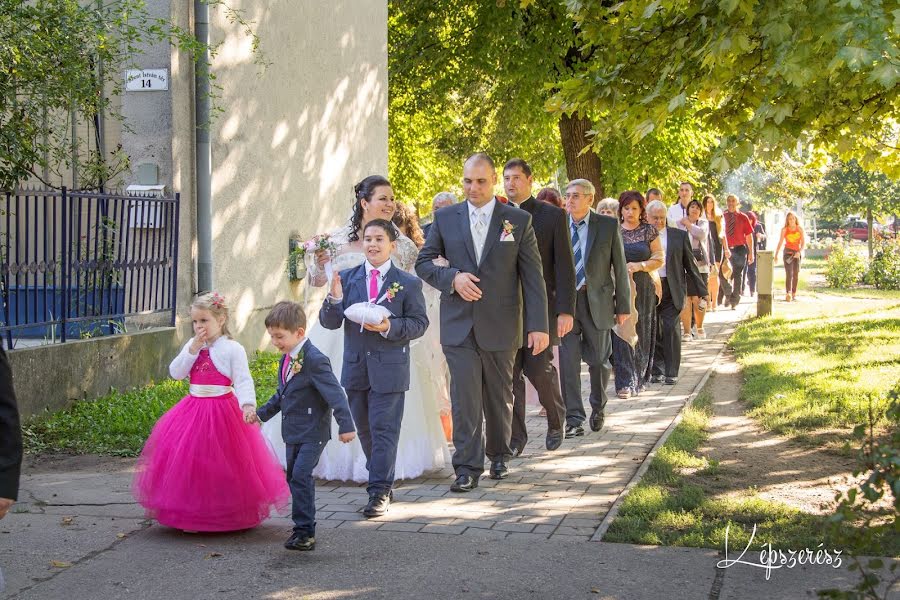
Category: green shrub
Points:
column 845, row 267
column 884, row 272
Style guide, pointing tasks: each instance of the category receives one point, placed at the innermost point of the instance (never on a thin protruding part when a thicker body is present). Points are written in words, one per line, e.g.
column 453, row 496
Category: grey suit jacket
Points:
column 604, row 252
column 507, row 269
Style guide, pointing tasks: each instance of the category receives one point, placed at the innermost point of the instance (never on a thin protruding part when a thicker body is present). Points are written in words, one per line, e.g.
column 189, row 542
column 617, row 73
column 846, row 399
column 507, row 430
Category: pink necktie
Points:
column 284, row 370
column 373, row 285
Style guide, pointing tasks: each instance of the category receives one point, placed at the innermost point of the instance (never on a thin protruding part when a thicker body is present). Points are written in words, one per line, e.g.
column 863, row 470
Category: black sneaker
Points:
column 574, row 431
column 300, row 541
column 377, row 506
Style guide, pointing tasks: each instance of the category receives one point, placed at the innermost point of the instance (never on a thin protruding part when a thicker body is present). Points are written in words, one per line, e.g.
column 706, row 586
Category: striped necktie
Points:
column 580, row 277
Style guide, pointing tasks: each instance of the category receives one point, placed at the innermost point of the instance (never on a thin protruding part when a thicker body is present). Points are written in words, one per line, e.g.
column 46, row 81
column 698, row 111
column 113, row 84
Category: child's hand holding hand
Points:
column 346, row 438
column 250, row 415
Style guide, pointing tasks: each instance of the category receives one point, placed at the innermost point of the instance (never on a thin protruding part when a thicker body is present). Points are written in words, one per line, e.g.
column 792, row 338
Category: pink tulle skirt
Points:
column 204, row 469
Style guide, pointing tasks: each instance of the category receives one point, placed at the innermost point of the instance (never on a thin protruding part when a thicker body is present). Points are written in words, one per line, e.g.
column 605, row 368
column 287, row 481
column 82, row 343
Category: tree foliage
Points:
column 63, row 60
column 849, row 189
column 765, row 75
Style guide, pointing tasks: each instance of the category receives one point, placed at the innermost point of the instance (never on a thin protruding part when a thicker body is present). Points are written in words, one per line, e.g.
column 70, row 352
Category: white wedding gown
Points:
column 422, row 446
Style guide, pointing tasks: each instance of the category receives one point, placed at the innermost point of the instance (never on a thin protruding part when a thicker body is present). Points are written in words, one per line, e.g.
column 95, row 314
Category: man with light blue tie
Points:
column 602, row 298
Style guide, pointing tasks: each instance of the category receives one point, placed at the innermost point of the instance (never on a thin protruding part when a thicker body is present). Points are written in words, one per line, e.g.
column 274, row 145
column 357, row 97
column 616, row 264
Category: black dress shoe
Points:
column 300, row 541
column 464, row 483
column 554, row 438
column 656, row 379
column 574, row 431
column 377, row 506
column 596, row 420
column 671, row 380
column 499, row 470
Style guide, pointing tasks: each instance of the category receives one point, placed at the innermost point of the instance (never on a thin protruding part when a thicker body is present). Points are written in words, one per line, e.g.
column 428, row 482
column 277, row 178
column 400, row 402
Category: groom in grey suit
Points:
column 494, row 276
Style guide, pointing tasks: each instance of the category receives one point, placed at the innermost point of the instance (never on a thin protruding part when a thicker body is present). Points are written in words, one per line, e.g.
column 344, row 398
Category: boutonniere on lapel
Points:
column 392, row 291
column 296, row 364
column 507, row 235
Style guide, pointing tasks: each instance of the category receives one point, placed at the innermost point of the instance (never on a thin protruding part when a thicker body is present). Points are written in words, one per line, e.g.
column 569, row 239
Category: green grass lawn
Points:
column 820, row 372
column 118, row 424
column 812, row 372
column 675, row 505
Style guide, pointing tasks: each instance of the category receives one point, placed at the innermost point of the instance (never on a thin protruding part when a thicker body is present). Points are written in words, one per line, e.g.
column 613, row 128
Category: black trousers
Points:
column 667, row 355
column 544, row 377
column 738, row 264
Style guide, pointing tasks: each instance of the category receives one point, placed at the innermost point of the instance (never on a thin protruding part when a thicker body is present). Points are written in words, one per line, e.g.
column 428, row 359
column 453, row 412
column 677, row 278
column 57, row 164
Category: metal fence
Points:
column 76, row 264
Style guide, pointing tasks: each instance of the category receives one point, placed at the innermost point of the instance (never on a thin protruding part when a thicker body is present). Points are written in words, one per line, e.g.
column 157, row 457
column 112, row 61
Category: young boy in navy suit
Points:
column 375, row 372
column 308, row 393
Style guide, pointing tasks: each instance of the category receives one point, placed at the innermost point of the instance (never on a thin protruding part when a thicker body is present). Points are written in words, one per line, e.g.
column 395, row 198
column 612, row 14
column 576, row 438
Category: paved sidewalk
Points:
column 77, row 532
column 561, row 495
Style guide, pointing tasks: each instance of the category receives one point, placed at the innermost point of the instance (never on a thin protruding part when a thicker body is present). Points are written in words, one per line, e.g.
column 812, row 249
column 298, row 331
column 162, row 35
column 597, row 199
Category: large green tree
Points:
column 765, row 75
column 467, row 76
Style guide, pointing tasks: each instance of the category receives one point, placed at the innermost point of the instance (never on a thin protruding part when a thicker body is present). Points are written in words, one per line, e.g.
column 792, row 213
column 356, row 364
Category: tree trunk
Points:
column 871, row 233
column 580, row 165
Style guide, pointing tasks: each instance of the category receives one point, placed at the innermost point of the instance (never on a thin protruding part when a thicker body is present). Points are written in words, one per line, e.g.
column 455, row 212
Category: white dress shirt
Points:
column 664, row 241
column 291, row 356
column 229, row 358
column 487, row 211
column 676, row 214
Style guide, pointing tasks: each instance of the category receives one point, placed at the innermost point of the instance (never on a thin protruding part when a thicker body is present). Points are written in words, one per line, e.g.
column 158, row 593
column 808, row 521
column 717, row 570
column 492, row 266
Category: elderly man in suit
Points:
column 551, row 228
column 491, row 291
column 603, row 297
column 679, row 264
column 440, row 200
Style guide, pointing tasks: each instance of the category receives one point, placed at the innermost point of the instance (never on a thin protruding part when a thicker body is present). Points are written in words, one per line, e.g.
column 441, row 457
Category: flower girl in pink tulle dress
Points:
column 203, row 468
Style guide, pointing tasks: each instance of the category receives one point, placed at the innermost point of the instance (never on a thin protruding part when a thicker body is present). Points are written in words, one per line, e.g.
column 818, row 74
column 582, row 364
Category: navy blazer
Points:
column 372, row 361
column 308, row 399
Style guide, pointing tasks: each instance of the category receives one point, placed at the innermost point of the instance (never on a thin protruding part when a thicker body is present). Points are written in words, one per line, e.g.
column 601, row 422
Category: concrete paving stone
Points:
column 581, row 522
column 445, row 529
column 514, row 527
column 577, row 531
column 327, row 523
column 484, row 533
column 527, row 537
column 400, row 527
column 348, row 516
column 544, row 529
column 364, row 524
column 339, row 508
column 557, row 537
column 474, row 523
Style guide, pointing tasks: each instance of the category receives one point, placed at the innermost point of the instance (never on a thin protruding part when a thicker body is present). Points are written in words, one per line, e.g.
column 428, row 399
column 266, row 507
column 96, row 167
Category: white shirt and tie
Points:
column 382, row 272
column 664, row 241
column 479, row 220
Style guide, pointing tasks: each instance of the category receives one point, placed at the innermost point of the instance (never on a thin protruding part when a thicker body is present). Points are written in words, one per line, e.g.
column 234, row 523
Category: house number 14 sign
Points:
column 146, row 80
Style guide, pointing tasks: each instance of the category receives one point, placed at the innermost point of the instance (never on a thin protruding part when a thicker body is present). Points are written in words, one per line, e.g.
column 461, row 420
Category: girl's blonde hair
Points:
column 797, row 224
column 215, row 304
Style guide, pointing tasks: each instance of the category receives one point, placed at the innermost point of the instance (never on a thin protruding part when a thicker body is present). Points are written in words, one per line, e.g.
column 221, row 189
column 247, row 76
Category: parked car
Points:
column 859, row 229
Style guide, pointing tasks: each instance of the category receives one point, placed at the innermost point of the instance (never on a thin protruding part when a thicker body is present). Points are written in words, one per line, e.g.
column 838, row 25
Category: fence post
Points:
column 175, row 259
column 65, row 262
column 765, row 276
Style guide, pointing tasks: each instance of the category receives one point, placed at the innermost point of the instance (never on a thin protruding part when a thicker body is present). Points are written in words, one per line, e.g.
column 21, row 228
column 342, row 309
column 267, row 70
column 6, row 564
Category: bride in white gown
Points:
column 422, row 446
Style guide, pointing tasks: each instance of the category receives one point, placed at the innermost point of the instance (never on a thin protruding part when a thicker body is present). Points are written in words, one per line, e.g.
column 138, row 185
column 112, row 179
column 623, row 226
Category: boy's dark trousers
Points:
column 377, row 416
column 301, row 460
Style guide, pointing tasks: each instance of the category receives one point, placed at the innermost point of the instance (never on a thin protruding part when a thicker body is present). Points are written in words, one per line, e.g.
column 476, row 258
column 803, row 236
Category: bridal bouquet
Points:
column 304, row 254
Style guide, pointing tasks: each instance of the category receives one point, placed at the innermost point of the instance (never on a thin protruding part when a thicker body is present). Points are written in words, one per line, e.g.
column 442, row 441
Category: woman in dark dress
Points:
column 644, row 255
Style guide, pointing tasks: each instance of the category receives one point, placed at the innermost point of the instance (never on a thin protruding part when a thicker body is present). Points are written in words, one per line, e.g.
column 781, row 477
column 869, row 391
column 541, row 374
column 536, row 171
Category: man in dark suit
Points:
column 603, row 297
column 375, row 372
column 10, row 439
column 551, row 228
column 440, row 200
column 494, row 276
column 679, row 265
